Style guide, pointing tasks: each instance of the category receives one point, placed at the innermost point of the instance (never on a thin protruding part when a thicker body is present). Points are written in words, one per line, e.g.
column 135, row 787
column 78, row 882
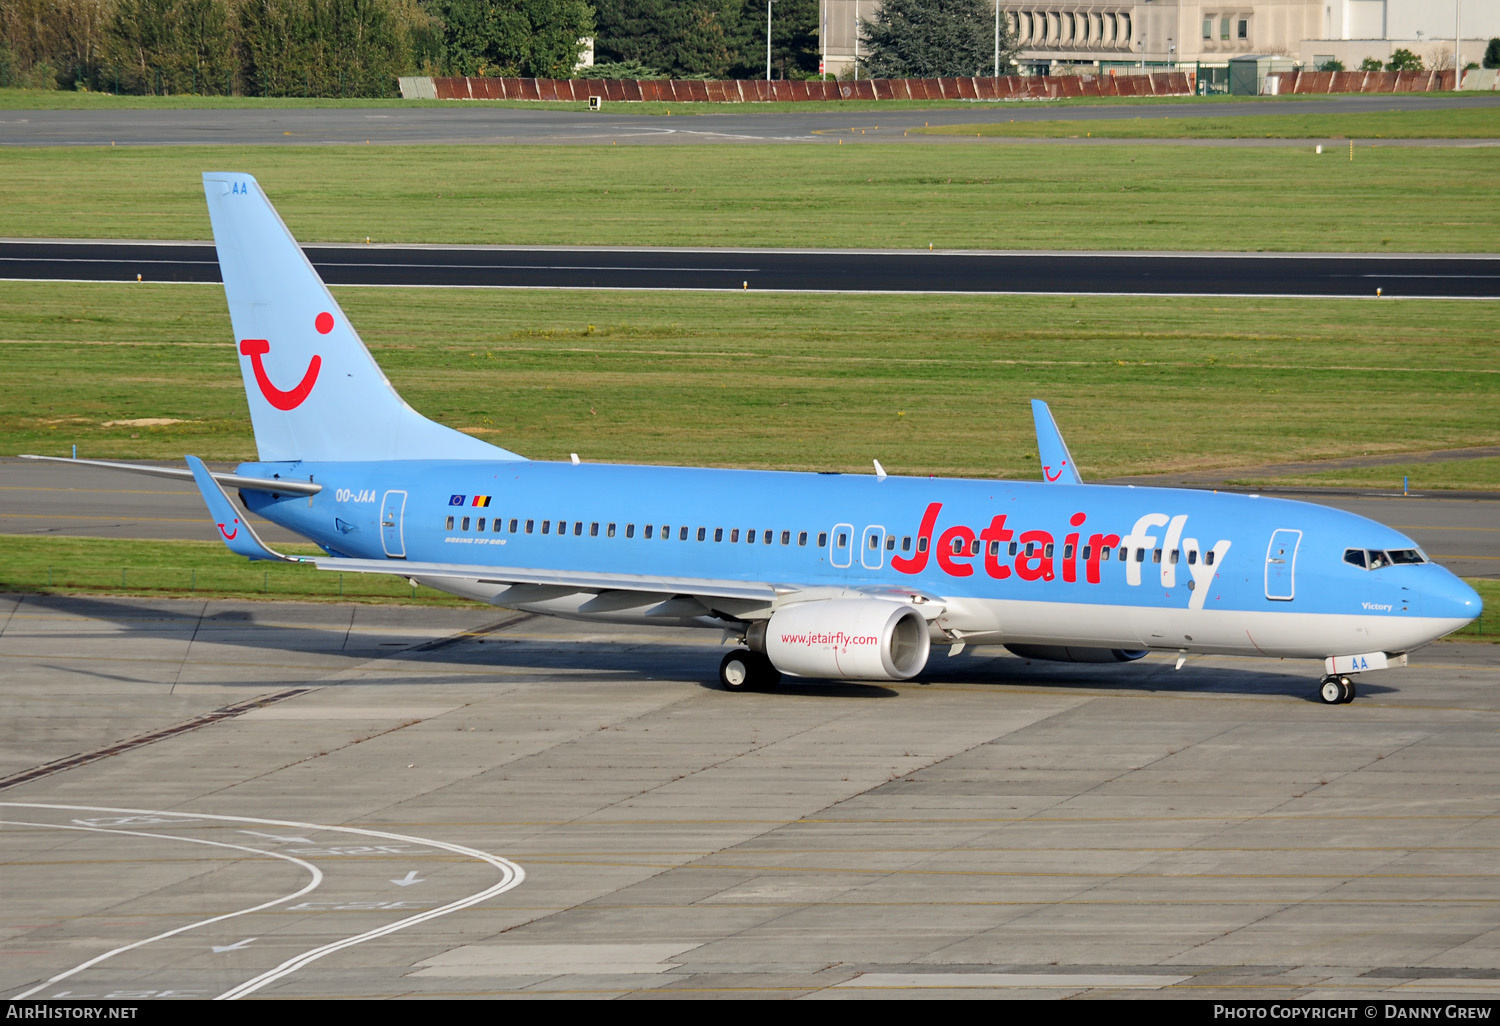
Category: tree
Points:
column 1370, row 64
column 684, row 38
column 1331, row 64
column 795, row 46
column 170, row 46
column 1404, row 60
column 531, row 38
column 934, row 38
column 1492, row 53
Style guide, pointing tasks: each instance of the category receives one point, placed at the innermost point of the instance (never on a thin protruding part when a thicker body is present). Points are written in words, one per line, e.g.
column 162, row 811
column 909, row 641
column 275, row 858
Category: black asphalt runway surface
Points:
column 469, row 123
column 791, row 270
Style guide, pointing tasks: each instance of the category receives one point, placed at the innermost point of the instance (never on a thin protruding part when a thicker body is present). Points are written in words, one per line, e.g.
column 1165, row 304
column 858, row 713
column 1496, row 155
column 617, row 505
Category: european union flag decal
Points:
column 455, row 500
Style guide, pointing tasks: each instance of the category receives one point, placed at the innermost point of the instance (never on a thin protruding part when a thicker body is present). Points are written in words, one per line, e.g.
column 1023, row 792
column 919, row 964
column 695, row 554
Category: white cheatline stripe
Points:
column 511, row 876
column 317, row 878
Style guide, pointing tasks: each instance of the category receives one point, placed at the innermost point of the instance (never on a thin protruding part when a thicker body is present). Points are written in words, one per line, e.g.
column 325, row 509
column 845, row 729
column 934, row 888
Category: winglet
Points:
column 236, row 531
column 1057, row 462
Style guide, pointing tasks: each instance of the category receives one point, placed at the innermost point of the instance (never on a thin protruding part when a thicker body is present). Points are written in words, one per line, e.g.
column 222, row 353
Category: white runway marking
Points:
column 316, row 873
column 511, row 875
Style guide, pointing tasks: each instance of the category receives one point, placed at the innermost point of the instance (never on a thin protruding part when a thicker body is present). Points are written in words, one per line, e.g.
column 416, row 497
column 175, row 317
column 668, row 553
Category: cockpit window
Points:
column 1374, row 559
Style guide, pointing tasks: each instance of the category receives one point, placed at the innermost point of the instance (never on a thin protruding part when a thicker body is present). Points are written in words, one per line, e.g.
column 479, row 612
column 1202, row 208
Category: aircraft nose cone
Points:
column 1447, row 597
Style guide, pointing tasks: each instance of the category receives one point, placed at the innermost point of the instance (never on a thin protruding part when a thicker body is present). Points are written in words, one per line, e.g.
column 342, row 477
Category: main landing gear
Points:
column 743, row 670
column 1336, row 689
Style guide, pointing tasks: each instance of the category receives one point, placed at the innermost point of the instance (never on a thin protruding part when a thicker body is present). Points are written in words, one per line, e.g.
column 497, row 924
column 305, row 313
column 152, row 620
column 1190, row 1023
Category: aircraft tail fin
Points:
column 1057, row 462
column 315, row 392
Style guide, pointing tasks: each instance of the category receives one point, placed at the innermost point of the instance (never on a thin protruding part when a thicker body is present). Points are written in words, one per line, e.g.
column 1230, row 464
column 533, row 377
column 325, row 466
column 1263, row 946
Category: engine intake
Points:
column 846, row 639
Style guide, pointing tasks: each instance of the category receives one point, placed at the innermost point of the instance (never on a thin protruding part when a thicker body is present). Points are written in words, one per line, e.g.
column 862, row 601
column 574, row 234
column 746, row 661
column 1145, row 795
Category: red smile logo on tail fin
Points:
column 257, row 347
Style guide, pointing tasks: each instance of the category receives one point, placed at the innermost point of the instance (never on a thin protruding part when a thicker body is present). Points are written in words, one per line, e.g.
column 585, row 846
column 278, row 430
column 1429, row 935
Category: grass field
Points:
column 926, row 384
column 184, row 569
column 1474, row 123
column 951, row 196
column 187, row 569
column 1479, row 474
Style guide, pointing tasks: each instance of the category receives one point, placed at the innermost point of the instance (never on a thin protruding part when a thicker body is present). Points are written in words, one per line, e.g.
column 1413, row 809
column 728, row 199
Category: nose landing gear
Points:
column 1336, row 689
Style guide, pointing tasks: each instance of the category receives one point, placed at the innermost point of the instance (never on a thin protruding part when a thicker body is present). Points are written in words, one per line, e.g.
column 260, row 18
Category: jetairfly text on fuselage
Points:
column 1036, row 559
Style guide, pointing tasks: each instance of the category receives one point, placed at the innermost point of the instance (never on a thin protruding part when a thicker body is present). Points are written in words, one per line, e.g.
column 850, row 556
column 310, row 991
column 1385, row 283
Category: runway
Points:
column 1461, row 531
column 319, row 801
column 1217, row 274
column 473, row 124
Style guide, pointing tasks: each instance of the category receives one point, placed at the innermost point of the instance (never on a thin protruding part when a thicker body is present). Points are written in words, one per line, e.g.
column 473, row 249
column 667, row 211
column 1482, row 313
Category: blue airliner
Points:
column 850, row 577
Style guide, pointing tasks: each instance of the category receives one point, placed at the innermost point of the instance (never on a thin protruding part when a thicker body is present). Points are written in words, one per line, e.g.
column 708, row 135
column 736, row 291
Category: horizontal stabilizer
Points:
column 1057, row 462
column 236, row 531
column 259, row 484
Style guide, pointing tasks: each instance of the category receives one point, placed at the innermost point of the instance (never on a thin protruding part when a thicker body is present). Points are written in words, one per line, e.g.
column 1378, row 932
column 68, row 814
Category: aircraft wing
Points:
column 1057, row 461
column 582, row 581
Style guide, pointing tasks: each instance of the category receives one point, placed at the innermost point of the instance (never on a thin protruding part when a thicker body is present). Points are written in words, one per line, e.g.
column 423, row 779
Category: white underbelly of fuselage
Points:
column 1287, row 632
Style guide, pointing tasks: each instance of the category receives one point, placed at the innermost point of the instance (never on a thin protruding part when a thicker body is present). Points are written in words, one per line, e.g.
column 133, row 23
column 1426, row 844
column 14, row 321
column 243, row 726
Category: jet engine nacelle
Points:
column 846, row 639
column 1070, row 654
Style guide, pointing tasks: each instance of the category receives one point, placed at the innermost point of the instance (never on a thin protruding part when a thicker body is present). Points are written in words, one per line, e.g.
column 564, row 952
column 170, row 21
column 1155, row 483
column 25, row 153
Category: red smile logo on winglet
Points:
column 229, row 535
column 255, row 348
column 1047, row 471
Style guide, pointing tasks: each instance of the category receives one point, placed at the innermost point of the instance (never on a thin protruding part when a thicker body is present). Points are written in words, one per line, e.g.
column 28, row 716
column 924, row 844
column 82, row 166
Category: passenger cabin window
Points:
column 499, row 525
column 922, row 544
column 465, row 524
column 766, row 538
column 719, row 534
column 450, row 524
column 546, row 527
column 594, row 531
column 734, row 535
column 906, row 543
column 801, row 537
column 682, row 534
column 480, row 525
column 822, row 539
column 513, row 527
column 890, row 543
column 1208, row 558
column 702, row 533
column 578, row 528
column 529, row 525
column 786, row 537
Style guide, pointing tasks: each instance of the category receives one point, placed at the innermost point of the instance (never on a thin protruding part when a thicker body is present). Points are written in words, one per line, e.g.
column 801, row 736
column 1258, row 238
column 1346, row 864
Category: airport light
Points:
column 768, row 39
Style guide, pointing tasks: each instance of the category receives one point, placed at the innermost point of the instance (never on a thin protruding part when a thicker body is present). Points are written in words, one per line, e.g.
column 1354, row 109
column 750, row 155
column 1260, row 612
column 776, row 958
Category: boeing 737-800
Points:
column 850, row 577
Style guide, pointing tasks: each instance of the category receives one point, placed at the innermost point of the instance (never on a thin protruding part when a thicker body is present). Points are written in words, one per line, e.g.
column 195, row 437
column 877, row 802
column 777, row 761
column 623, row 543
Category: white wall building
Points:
column 1162, row 31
